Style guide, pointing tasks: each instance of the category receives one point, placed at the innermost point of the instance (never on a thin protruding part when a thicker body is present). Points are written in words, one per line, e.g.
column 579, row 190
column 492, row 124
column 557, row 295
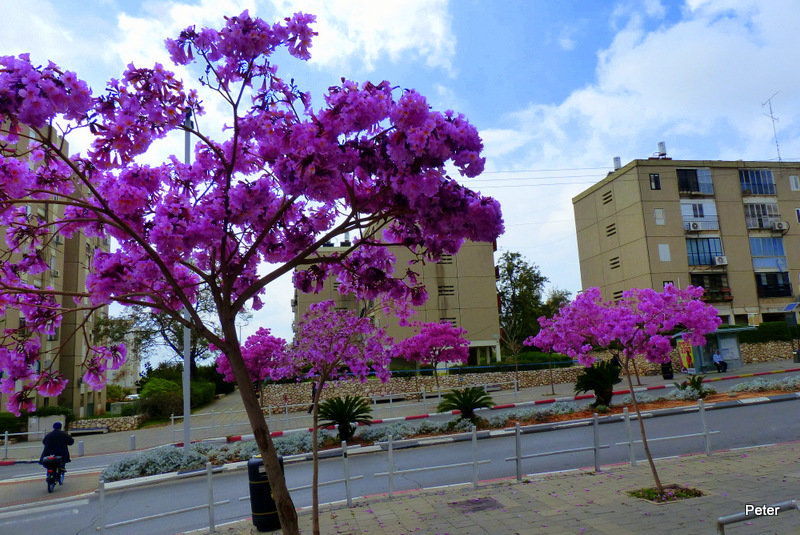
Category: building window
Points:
column 797, row 214
column 768, row 253
column 695, row 181
column 607, row 197
column 614, row 262
column 702, row 251
column 773, row 284
column 611, row 229
column 658, row 214
column 445, row 258
column 794, row 182
column 655, row 181
column 699, row 215
column 617, row 295
column 663, row 252
column 757, row 181
column 761, row 215
column 451, row 321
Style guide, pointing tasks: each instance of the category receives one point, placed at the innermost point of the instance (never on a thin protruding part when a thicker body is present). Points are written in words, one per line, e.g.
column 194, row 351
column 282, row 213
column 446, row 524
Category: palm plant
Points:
column 600, row 378
column 466, row 401
column 345, row 413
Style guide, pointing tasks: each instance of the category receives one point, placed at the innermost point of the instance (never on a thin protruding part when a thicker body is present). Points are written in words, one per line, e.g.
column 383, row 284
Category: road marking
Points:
column 38, row 509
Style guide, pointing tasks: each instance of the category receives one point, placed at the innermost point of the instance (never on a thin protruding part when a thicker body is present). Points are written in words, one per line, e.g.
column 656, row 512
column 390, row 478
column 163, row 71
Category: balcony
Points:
column 717, row 295
column 762, row 222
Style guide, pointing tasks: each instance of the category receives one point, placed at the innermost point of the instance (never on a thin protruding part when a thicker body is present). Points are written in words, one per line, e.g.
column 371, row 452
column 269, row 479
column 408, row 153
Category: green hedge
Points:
column 770, row 331
column 10, row 423
column 202, row 393
column 69, row 416
column 531, row 360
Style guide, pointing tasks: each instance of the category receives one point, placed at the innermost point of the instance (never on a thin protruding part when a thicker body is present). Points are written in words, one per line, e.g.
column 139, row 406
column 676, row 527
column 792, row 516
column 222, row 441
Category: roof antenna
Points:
column 772, row 116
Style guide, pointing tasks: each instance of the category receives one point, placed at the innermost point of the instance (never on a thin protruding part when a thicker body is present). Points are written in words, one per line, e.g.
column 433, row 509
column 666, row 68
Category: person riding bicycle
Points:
column 57, row 442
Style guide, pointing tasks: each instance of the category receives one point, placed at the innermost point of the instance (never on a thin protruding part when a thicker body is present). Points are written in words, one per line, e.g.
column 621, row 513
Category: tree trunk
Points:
column 280, row 493
column 315, row 464
column 641, row 429
column 636, row 371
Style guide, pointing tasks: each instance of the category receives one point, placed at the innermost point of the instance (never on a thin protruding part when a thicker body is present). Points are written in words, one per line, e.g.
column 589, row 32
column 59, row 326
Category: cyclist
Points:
column 57, row 442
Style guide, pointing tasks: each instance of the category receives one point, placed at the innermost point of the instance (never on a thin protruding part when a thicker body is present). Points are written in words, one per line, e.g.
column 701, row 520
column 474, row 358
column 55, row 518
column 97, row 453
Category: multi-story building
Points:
column 732, row 227
column 461, row 290
column 69, row 261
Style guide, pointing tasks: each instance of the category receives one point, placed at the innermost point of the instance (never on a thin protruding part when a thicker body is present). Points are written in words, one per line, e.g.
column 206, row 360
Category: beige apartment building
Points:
column 732, row 227
column 461, row 290
column 69, row 261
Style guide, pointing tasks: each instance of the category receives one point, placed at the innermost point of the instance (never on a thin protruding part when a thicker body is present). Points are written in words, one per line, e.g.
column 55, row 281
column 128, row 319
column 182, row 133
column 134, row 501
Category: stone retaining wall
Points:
column 121, row 423
column 300, row 393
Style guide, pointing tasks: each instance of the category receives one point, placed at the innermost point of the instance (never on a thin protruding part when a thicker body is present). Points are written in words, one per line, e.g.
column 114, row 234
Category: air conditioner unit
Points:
column 720, row 260
column 780, row 225
column 694, row 226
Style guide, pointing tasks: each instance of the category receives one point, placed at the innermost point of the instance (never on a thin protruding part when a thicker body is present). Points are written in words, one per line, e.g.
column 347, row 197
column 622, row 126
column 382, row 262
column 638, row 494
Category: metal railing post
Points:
column 346, row 462
column 596, row 437
column 5, row 443
column 172, row 426
column 424, row 402
column 230, row 420
column 518, row 448
column 474, row 457
column 391, row 469
column 211, row 527
column 80, row 448
column 702, row 408
column 214, row 422
column 101, row 488
column 516, row 390
column 631, row 454
column 391, row 396
column 133, row 442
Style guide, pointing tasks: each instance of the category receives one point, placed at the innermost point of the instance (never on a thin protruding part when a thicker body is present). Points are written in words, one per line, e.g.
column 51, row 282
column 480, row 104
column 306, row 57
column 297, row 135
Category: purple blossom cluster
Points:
column 284, row 179
column 434, row 343
column 641, row 323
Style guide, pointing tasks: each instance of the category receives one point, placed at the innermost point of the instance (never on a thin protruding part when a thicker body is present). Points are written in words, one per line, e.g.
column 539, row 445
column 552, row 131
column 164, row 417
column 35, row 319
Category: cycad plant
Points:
column 600, row 378
column 346, row 413
column 466, row 401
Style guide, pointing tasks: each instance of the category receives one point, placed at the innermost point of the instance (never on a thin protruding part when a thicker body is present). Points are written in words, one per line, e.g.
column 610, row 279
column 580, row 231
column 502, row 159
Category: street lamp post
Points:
column 187, row 335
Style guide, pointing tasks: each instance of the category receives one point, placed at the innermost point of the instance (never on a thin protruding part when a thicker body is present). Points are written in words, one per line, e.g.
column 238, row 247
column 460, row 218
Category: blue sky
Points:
column 557, row 89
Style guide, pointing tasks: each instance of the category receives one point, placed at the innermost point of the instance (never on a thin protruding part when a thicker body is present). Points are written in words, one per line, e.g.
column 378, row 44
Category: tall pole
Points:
column 187, row 335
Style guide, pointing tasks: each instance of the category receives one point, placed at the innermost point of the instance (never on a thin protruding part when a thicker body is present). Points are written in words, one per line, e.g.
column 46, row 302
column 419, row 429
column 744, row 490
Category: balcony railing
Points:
column 716, row 295
column 762, row 222
column 700, row 223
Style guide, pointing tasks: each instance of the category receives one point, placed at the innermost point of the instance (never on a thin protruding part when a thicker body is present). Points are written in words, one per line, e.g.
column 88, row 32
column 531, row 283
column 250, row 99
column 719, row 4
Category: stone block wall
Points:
column 121, row 423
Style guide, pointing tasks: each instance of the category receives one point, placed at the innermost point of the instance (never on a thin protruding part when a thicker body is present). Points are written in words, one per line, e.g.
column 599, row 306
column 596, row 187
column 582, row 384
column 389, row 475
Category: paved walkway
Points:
column 584, row 502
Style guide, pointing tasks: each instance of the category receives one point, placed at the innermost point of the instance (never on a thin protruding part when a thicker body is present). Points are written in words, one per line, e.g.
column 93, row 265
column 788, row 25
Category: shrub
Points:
column 156, row 461
column 529, row 360
column 399, row 431
column 161, row 397
column 117, row 392
column 694, row 384
column 131, row 409
column 10, row 423
column 202, row 393
column 210, row 373
column 600, row 377
column 466, row 401
column 770, row 331
column 345, row 413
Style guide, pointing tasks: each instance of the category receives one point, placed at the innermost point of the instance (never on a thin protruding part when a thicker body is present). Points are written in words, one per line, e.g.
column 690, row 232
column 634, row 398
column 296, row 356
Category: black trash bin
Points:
column 666, row 370
column 262, row 505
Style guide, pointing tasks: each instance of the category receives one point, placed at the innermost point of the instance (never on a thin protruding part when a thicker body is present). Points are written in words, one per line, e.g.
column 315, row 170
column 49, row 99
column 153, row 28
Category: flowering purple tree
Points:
column 435, row 343
column 262, row 353
column 282, row 179
column 334, row 344
column 640, row 323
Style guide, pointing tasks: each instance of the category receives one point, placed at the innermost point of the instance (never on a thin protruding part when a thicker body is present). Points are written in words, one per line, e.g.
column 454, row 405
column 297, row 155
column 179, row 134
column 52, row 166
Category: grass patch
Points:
column 672, row 493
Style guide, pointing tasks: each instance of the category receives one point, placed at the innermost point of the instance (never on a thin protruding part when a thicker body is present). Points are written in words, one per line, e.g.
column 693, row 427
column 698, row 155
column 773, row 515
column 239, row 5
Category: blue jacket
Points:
column 55, row 443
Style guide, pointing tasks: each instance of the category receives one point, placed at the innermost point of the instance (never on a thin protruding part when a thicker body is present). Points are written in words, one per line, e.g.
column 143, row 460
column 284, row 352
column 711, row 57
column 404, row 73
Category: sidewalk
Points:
column 583, row 502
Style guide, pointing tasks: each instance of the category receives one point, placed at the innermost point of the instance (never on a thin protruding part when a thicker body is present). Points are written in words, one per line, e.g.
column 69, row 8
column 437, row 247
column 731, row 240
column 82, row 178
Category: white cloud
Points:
column 365, row 31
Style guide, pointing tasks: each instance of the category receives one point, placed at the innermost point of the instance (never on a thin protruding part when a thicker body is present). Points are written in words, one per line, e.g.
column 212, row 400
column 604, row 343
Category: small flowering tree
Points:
column 435, row 343
column 332, row 344
column 640, row 323
column 277, row 181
